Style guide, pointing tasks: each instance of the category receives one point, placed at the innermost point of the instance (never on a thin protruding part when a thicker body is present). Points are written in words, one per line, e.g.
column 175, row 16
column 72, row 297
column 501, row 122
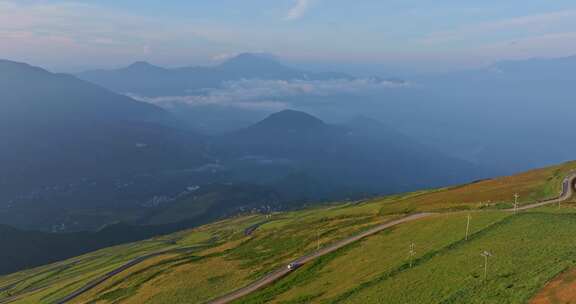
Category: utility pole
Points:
column 468, row 226
column 317, row 239
column 486, row 255
column 516, row 196
column 412, row 253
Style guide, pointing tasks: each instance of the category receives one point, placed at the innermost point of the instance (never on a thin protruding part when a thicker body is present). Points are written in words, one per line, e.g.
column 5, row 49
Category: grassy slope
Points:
column 230, row 259
column 47, row 283
column 373, row 259
column 528, row 249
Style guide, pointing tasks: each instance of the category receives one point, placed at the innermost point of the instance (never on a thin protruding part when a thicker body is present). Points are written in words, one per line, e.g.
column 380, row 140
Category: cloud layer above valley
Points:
column 271, row 95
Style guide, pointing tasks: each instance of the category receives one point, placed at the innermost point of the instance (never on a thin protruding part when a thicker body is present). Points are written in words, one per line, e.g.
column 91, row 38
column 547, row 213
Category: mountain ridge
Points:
column 158, row 81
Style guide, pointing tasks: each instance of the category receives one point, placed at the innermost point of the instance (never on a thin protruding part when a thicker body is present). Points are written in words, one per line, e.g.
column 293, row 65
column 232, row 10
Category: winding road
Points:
column 92, row 284
column 567, row 192
column 283, row 271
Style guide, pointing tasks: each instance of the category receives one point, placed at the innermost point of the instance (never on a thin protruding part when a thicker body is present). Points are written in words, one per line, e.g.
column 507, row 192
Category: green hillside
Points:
column 194, row 266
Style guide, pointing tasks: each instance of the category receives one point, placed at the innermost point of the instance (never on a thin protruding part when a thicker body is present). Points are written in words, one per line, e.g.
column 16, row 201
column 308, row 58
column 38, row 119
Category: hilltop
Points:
column 76, row 156
column 197, row 265
column 146, row 79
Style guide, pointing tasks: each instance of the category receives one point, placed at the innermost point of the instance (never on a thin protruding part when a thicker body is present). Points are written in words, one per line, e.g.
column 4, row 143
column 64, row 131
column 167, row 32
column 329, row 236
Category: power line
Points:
column 467, row 226
column 486, row 255
column 516, row 196
column 412, row 253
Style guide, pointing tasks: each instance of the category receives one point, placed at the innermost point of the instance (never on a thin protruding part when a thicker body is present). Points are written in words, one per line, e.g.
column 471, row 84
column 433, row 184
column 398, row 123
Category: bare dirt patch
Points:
column 561, row 289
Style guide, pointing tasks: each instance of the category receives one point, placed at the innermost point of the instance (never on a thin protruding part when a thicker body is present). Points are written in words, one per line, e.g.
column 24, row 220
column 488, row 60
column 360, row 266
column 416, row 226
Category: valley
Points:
column 81, row 157
column 287, row 152
column 221, row 257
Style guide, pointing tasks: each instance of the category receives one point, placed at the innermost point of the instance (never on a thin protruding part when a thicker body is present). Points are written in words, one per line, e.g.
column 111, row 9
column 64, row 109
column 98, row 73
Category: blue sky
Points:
column 416, row 34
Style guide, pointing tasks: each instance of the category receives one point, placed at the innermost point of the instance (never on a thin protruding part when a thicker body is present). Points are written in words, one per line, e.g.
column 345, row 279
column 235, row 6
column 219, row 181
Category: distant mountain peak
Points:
column 142, row 66
column 33, row 95
column 251, row 60
column 290, row 119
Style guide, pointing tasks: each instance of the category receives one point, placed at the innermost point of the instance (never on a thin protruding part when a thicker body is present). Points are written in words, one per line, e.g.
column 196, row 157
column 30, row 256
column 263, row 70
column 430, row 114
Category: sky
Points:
column 410, row 34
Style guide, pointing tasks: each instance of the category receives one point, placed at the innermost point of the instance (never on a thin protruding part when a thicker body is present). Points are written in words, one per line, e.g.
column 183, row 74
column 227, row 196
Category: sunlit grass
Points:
column 529, row 249
column 376, row 256
column 228, row 259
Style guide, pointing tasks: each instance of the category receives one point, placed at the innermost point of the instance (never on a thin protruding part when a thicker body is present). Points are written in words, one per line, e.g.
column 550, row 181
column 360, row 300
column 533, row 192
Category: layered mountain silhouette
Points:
column 362, row 154
column 63, row 126
column 61, row 136
column 148, row 80
column 77, row 156
column 33, row 95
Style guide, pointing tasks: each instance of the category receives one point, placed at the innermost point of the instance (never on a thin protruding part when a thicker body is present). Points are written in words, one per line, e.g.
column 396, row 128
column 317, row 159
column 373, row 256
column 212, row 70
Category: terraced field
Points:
column 200, row 264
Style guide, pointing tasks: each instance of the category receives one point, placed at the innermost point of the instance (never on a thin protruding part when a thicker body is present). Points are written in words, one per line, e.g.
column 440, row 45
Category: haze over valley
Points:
column 299, row 151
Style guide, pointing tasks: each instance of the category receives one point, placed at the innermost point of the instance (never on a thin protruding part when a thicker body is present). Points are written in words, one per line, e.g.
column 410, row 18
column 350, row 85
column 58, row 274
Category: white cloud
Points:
column 298, row 10
column 224, row 56
column 255, row 94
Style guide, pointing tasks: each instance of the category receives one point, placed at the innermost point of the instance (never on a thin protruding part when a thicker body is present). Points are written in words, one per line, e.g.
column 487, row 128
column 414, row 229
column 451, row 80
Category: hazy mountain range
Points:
column 76, row 156
column 72, row 145
column 488, row 116
column 235, row 93
column 148, row 80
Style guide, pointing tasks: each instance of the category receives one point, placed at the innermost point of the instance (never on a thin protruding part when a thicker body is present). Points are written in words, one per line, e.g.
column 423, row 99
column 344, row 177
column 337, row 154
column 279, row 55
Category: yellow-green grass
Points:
column 232, row 259
column 528, row 250
column 497, row 193
column 49, row 283
column 373, row 257
column 200, row 276
column 170, row 279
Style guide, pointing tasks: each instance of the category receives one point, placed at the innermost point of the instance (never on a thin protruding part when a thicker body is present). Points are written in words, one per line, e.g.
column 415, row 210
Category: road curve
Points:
column 92, row 284
column 283, row 271
column 566, row 193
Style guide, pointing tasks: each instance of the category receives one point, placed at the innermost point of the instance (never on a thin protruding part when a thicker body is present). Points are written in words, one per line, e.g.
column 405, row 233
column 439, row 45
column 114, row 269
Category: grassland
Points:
column 49, row 283
column 374, row 258
column 529, row 249
column 222, row 258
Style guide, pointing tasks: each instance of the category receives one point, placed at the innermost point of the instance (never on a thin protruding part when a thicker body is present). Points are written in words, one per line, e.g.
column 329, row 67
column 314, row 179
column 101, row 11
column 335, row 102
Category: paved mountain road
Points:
column 283, row 271
column 92, row 284
column 567, row 192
